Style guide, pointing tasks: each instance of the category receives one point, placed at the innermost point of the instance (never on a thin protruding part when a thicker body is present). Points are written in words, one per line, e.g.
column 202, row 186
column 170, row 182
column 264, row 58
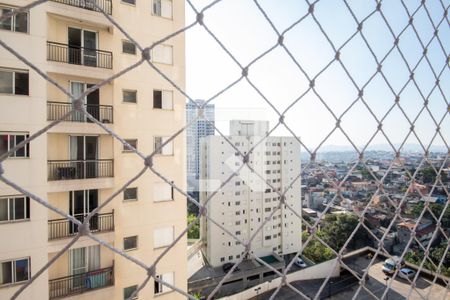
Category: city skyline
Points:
column 249, row 35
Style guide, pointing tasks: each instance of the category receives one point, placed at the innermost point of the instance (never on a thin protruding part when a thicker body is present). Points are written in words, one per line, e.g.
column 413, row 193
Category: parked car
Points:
column 390, row 265
column 406, row 273
column 300, row 263
column 227, row 267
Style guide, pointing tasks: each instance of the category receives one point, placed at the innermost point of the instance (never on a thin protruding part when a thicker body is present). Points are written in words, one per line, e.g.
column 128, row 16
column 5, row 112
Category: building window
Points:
column 9, row 140
column 18, row 23
column 167, row 149
column 128, row 47
column 132, row 142
column 162, row 8
column 13, row 271
column 162, row 99
column 132, row 2
column 162, row 191
column 162, row 54
column 161, row 288
column 14, row 82
column 267, row 237
column 130, row 242
column 14, row 208
column 222, row 259
column 128, row 291
column 130, row 194
column 163, row 237
column 129, row 96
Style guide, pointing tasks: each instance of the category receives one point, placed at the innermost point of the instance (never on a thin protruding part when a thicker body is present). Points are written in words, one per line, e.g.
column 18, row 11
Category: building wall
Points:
column 245, row 201
column 49, row 22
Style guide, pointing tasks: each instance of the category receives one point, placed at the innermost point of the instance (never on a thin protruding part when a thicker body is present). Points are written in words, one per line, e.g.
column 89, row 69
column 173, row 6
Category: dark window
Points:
column 129, row 1
column 15, row 271
column 14, row 208
column 18, row 23
column 129, row 96
column 9, row 141
column 130, row 194
column 157, row 99
column 128, row 291
column 132, row 142
column 14, row 82
column 128, row 47
column 130, row 242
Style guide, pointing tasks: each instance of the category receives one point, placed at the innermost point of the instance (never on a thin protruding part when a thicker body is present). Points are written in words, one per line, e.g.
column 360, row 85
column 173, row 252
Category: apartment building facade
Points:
column 246, row 201
column 194, row 132
column 76, row 165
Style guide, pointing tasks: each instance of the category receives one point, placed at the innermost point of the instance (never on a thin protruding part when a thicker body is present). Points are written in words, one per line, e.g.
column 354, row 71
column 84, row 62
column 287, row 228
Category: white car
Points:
column 406, row 273
column 300, row 263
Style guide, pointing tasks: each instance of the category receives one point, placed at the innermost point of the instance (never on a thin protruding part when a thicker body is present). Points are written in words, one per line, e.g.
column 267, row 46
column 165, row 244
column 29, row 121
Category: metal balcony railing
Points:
column 105, row 5
column 61, row 228
column 79, row 55
column 81, row 283
column 103, row 113
column 80, row 169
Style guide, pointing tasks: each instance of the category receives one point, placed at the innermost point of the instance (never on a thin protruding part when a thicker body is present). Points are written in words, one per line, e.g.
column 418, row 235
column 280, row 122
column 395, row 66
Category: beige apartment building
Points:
column 246, row 201
column 76, row 165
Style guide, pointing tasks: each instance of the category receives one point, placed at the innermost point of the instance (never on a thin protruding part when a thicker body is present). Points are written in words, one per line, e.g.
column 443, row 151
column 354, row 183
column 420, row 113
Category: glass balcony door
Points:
column 84, row 154
column 82, row 47
column 81, row 261
column 82, row 203
column 92, row 101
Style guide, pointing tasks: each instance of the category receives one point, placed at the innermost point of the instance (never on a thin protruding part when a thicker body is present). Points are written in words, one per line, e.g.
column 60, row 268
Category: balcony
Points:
column 103, row 113
column 80, row 169
column 81, row 283
column 105, row 5
column 62, row 228
column 79, row 55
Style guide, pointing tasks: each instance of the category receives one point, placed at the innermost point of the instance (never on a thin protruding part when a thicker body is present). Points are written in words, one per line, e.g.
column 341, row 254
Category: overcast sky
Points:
column 242, row 29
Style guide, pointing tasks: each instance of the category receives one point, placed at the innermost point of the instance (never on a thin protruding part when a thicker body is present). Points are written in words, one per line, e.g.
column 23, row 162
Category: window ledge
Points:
column 14, row 221
column 8, row 285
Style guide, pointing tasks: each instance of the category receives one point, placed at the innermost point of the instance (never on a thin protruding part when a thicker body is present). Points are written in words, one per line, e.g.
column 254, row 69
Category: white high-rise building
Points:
column 194, row 132
column 243, row 203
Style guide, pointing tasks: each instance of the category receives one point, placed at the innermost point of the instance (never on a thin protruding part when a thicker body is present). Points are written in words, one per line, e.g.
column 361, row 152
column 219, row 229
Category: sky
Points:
column 243, row 30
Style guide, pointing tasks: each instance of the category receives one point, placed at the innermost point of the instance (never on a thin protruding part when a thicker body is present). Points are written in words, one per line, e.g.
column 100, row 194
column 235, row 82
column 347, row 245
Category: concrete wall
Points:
column 318, row 271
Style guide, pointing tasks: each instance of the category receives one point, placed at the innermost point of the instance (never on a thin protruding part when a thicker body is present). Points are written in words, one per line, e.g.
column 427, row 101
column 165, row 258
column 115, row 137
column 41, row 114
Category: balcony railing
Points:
column 80, row 169
column 55, row 110
column 81, row 283
column 79, row 55
column 105, row 5
column 61, row 228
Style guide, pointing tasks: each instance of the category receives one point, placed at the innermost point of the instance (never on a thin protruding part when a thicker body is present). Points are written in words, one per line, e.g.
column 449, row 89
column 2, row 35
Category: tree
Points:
column 194, row 231
column 315, row 250
column 436, row 208
column 336, row 229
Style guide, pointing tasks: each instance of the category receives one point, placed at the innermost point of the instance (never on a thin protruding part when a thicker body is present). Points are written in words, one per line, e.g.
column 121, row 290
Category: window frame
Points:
column 136, row 243
column 13, row 19
column 172, row 192
column 127, row 3
column 163, row 245
column 26, row 147
column 162, row 97
column 13, row 85
column 14, row 270
column 163, row 289
column 131, row 199
column 128, row 42
column 126, row 150
column 26, row 212
column 160, row 62
column 135, row 286
column 160, row 15
column 132, row 91
column 160, row 152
